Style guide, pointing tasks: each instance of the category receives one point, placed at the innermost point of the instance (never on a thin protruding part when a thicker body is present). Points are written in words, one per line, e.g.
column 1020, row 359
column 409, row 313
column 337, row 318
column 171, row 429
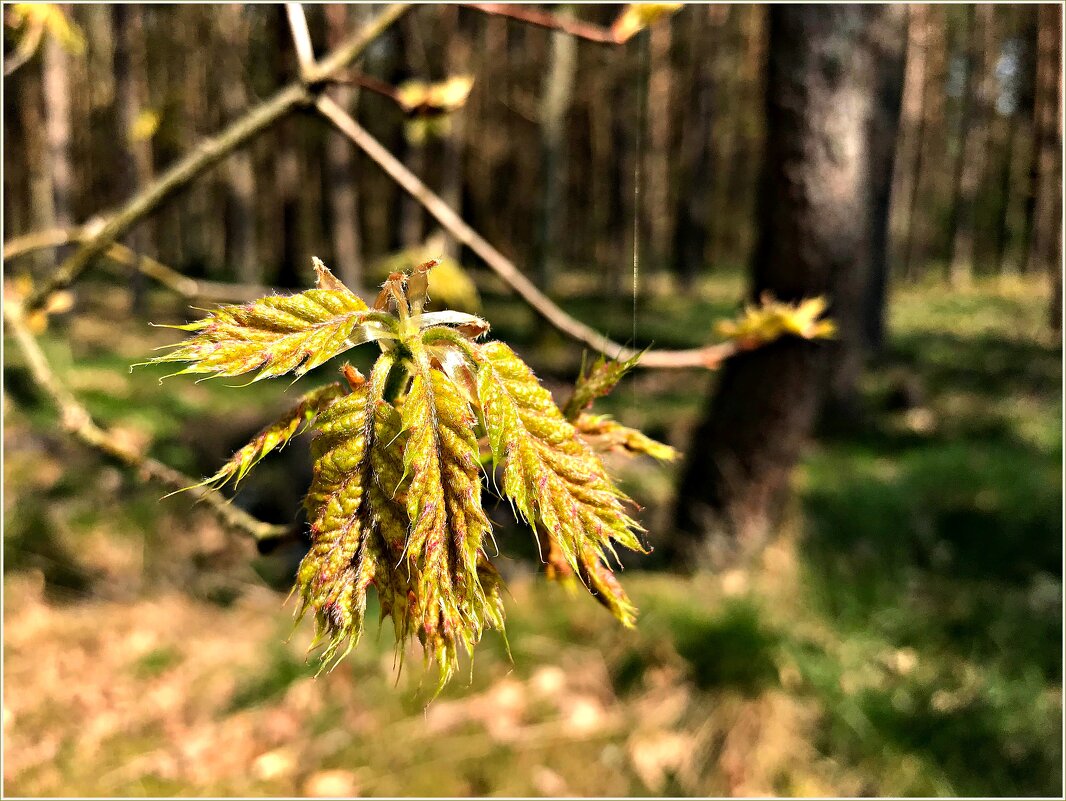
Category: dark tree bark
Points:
column 557, row 90
column 815, row 237
column 57, row 129
column 889, row 52
column 695, row 158
column 973, row 136
column 135, row 168
column 287, row 168
column 457, row 58
column 1045, row 228
column 912, row 135
column 928, row 158
column 242, row 244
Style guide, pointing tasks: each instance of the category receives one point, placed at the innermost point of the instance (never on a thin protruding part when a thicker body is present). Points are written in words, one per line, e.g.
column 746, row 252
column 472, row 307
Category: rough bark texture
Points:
column 815, row 238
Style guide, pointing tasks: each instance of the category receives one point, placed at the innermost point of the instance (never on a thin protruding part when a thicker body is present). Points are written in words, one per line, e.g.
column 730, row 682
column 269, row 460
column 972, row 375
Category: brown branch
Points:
column 76, row 419
column 709, row 357
column 212, row 150
column 545, row 19
column 188, row 288
column 370, row 83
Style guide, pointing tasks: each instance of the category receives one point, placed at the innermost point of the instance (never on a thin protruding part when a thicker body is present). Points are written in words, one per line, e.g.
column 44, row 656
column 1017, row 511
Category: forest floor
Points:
column 901, row 637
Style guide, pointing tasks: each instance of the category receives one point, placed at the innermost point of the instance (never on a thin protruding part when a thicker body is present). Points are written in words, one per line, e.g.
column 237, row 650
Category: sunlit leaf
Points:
column 606, row 434
column 772, row 319
column 145, row 125
column 635, row 17
column 554, row 479
column 395, row 502
column 50, row 17
column 280, row 334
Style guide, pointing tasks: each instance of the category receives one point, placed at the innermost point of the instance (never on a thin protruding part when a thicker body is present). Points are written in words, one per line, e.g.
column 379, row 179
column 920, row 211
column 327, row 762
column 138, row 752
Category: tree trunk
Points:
column 694, row 177
column 912, row 137
column 657, row 191
column 1047, row 190
column 242, row 246
column 38, row 165
column 1019, row 93
column 57, row 130
column 555, row 104
column 340, row 172
column 457, row 58
column 926, row 183
column 414, row 158
column 814, row 238
column 889, row 43
column 135, row 168
column 287, row 168
column 973, row 139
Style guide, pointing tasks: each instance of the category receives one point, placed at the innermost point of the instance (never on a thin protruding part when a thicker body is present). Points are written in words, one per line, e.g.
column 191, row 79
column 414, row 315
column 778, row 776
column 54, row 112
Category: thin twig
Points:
column 708, row 357
column 545, row 19
column 368, row 82
column 76, row 419
column 26, row 48
column 301, row 38
column 188, row 288
column 211, row 151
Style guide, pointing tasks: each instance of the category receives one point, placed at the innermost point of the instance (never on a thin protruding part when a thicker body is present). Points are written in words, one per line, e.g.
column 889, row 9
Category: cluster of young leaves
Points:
column 31, row 21
column 635, row 17
column 396, row 497
column 429, row 106
column 772, row 319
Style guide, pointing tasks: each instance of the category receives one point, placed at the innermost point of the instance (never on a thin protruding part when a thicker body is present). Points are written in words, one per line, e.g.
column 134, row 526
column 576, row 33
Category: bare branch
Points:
column 369, row 82
column 76, row 419
column 708, row 357
column 301, row 39
column 189, row 288
column 209, row 152
column 25, row 49
column 545, row 19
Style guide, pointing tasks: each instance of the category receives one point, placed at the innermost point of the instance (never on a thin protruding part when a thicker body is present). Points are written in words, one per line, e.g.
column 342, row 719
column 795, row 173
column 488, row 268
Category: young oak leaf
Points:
column 395, row 501
column 334, row 575
column 605, row 433
column 635, row 17
column 282, row 333
column 772, row 319
column 275, row 435
column 595, row 382
column 448, row 524
column 551, row 476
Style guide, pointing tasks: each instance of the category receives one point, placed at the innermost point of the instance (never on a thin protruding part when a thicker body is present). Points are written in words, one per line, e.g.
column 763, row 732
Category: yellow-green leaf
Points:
column 772, row 319
column 606, row 434
column 635, row 17
column 280, row 334
column 553, row 478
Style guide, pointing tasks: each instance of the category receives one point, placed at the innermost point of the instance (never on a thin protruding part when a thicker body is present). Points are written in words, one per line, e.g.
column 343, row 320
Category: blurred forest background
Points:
column 890, row 622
